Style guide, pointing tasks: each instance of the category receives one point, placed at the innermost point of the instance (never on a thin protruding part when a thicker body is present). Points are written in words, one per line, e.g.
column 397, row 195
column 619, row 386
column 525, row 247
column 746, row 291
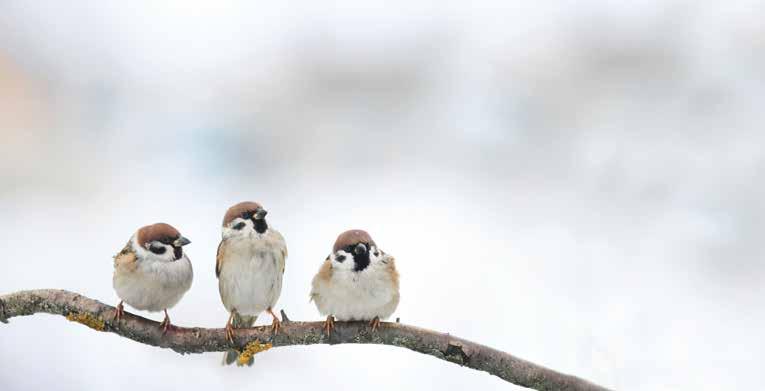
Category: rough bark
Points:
column 99, row 316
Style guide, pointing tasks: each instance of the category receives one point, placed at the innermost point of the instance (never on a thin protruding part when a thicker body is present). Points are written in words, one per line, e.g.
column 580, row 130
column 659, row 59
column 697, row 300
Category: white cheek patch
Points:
column 167, row 256
column 230, row 232
column 342, row 260
column 375, row 255
column 145, row 254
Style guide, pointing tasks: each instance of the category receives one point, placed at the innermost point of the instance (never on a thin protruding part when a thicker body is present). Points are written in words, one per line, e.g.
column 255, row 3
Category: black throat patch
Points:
column 260, row 225
column 360, row 261
column 177, row 252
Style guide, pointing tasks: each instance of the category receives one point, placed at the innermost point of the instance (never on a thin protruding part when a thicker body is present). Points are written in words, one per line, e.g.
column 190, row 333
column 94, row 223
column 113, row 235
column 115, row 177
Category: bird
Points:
column 357, row 281
column 152, row 272
column 249, row 267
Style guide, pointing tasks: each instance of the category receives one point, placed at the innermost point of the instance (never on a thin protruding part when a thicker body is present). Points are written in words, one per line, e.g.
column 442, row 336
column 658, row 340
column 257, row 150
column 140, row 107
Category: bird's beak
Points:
column 360, row 249
column 260, row 214
column 180, row 242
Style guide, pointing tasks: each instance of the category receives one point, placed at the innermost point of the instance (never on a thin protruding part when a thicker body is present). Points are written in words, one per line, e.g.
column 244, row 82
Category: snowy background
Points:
column 580, row 184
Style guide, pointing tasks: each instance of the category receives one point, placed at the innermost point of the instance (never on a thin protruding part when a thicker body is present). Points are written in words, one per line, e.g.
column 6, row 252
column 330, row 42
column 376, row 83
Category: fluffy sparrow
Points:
column 357, row 281
column 152, row 272
column 250, row 265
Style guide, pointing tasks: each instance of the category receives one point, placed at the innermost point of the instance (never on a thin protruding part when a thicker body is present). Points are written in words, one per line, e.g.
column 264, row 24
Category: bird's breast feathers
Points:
column 252, row 250
column 150, row 284
column 377, row 281
column 250, row 272
column 350, row 295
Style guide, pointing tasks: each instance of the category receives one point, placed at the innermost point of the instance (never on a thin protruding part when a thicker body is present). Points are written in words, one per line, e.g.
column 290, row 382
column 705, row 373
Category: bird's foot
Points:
column 166, row 325
column 276, row 324
column 119, row 313
column 375, row 323
column 329, row 325
column 230, row 329
column 230, row 333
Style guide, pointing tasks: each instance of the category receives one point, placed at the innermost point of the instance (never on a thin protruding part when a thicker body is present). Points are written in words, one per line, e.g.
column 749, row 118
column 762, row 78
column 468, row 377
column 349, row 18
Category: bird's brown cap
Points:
column 352, row 237
column 161, row 232
column 243, row 209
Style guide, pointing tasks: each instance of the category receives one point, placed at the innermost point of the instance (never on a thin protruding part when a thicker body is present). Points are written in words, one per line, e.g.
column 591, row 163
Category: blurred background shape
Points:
column 580, row 185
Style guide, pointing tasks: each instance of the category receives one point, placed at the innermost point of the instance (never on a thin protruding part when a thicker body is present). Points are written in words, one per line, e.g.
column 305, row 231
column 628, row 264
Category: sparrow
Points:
column 357, row 281
column 249, row 266
column 152, row 272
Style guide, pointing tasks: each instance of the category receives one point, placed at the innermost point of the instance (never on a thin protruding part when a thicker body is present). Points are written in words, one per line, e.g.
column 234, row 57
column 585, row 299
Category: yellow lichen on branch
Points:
column 252, row 349
column 87, row 319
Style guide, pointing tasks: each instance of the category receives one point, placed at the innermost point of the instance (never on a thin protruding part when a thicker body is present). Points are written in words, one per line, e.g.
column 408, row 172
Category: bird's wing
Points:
column 390, row 266
column 324, row 274
column 281, row 244
column 126, row 258
column 219, row 258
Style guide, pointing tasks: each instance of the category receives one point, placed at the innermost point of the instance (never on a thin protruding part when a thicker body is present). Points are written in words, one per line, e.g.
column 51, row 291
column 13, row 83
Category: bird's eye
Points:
column 239, row 226
column 157, row 249
column 340, row 258
column 349, row 249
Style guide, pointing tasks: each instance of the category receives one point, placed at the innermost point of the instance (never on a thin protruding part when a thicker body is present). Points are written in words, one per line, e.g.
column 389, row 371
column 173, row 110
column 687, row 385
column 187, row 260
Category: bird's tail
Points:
column 239, row 322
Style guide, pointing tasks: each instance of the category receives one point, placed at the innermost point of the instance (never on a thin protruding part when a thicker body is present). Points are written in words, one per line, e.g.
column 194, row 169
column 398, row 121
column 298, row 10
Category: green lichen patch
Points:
column 87, row 319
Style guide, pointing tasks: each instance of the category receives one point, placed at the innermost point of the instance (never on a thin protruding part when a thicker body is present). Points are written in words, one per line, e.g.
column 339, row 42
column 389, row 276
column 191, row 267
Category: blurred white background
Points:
column 577, row 184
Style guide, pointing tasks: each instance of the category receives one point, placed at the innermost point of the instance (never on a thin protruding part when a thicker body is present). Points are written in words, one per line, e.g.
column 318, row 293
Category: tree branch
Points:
column 183, row 340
